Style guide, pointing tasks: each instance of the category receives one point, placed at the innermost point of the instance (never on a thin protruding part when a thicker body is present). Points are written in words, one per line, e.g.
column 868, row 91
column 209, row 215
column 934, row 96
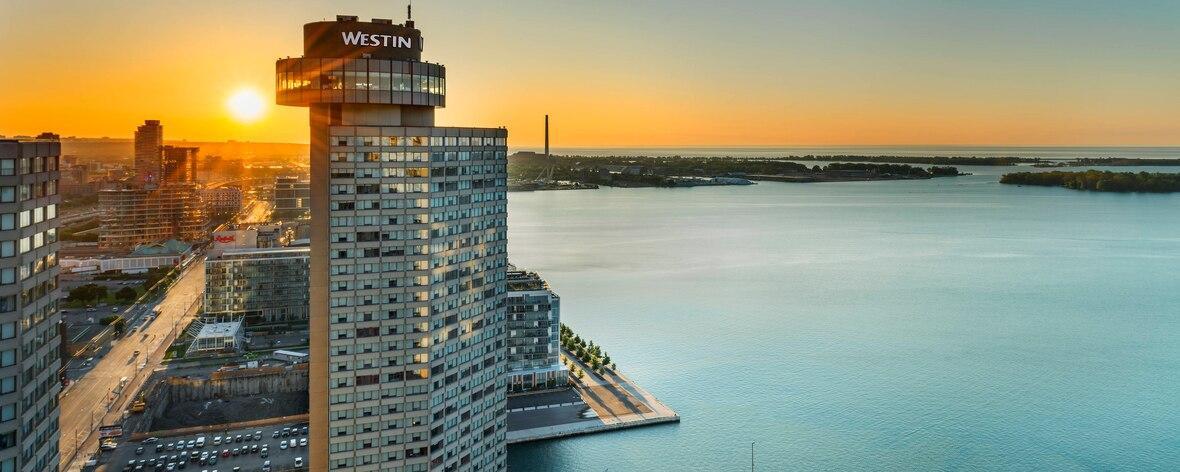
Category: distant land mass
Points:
column 526, row 168
column 1110, row 162
column 1099, row 181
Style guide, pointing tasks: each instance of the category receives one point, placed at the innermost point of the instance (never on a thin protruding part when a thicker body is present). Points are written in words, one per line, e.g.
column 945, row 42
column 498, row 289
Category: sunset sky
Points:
column 630, row 73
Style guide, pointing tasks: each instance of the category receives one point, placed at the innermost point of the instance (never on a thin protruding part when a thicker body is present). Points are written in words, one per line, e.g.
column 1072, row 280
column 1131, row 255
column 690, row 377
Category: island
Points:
column 1110, row 162
column 1099, row 181
column 534, row 171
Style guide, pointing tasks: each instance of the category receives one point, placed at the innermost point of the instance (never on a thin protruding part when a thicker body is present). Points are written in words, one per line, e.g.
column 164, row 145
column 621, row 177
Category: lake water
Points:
column 946, row 324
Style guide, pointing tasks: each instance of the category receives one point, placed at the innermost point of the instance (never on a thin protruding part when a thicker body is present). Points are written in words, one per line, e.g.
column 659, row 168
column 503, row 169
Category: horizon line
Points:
column 666, row 146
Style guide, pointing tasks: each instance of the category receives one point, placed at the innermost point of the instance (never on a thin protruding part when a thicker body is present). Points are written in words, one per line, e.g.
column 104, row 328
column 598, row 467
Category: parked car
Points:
column 298, row 462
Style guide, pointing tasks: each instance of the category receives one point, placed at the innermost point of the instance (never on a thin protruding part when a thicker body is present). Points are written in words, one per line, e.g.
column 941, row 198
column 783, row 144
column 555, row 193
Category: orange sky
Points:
column 614, row 73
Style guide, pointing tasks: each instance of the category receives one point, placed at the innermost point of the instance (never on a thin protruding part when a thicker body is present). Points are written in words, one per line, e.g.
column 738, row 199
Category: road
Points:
column 91, row 401
column 256, row 211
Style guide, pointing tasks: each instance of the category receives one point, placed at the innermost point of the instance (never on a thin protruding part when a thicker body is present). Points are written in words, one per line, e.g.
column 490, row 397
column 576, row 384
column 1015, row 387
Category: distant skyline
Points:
column 628, row 74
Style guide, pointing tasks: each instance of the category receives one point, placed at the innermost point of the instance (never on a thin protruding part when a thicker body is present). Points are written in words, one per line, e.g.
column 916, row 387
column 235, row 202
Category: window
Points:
column 7, row 358
column 7, row 221
column 7, row 276
column 7, row 194
column 332, row 81
column 7, row 248
column 7, row 166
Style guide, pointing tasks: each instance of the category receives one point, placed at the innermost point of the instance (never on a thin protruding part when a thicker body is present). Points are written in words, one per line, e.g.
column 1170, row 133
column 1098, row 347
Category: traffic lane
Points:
column 116, row 460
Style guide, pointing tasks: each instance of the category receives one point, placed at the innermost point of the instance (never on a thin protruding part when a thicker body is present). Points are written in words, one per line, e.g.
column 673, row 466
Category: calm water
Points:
column 947, row 324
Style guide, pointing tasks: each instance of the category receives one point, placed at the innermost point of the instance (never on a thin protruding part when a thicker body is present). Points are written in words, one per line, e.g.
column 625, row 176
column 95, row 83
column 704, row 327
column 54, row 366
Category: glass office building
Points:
column 30, row 346
column 534, row 335
column 263, row 285
column 408, row 258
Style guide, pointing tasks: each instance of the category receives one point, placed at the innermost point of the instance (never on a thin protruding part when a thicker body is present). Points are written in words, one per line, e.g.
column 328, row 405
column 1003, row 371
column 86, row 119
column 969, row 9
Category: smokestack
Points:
column 546, row 135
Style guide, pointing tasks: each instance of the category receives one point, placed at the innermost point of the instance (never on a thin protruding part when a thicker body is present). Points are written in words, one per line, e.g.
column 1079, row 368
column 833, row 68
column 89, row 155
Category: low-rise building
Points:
column 224, row 336
column 534, row 335
column 89, row 259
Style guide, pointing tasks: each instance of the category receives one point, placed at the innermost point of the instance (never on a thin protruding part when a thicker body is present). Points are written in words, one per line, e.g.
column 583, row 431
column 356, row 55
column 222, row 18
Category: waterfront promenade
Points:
column 594, row 404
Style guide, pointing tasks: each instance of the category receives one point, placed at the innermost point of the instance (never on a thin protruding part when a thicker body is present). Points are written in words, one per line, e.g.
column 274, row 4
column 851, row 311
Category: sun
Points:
column 246, row 105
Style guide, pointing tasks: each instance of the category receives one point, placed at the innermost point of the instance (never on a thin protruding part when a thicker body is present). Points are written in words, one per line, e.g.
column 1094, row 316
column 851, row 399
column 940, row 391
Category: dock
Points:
column 595, row 403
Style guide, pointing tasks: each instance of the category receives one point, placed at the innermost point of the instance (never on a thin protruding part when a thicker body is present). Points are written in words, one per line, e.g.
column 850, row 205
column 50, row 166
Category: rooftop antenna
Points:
column 410, row 14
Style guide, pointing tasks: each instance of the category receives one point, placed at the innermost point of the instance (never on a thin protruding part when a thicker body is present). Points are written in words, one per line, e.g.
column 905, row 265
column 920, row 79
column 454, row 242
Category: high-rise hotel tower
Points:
column 408, row 258
column 30, row 347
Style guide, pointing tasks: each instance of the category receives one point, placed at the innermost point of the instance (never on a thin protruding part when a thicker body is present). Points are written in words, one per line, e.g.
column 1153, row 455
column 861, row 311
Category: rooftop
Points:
column 220, row 330
column 521, row 280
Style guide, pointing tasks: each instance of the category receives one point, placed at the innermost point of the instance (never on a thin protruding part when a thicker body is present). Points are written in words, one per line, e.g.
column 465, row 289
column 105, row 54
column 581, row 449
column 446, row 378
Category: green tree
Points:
column 87, row 293
column 126, row 294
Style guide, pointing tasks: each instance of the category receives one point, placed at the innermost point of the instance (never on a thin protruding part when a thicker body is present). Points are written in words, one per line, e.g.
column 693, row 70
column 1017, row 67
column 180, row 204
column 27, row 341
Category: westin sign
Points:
column 357, row 38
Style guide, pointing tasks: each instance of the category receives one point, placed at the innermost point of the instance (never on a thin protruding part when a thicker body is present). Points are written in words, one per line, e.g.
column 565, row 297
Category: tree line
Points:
column 1099, row 181
column 586, row 351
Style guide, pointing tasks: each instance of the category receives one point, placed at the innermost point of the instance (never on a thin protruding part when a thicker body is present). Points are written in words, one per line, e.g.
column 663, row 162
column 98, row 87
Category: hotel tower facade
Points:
column 408, row 258
column 30, row 344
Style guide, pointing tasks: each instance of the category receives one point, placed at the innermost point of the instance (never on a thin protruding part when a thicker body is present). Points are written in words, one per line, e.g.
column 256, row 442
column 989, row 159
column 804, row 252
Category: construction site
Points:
column 229, row 396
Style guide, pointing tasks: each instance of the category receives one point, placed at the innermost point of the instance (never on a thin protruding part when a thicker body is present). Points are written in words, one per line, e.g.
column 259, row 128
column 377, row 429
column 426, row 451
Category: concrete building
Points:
column 178, row 164
column 144, row 215
column 408, row 258
column 30, row 358
column 149, row 139
column 222, row 201
column 263, row 285
column 534, row 335
column 292, row 197
column 162, row 203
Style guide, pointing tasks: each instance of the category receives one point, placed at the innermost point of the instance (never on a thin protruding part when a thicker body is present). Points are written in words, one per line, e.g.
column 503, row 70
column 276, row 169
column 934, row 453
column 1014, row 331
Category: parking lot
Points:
column 235, row 451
